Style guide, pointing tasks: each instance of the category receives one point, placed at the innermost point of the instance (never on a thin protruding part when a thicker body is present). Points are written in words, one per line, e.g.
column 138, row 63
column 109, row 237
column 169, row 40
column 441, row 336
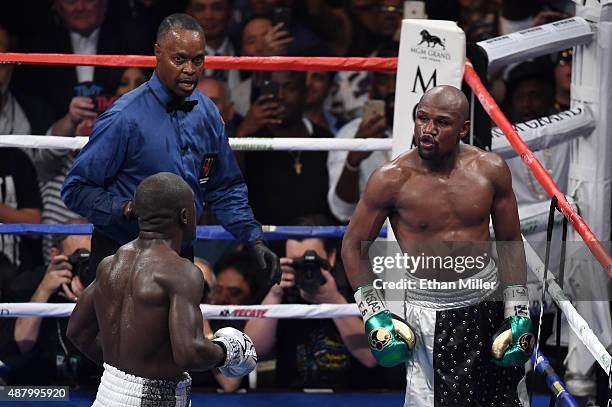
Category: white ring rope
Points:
column 240, row 144
column 538, row 134
column 274, row 311
column 577, row 324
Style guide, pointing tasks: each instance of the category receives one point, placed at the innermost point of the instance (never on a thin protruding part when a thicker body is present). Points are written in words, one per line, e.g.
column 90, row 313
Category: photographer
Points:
column 42, row 353
column 313, row 352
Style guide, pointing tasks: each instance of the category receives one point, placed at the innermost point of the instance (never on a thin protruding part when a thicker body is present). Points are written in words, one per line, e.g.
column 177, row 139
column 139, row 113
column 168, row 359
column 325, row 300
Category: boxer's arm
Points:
column 369, row 216
column 83, row 329
column 191, row 350
column 506, row 224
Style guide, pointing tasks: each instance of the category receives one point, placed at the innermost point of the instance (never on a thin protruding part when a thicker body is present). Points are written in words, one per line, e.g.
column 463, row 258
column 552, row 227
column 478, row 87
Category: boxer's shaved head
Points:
column 442, row 120
column 450, row 98
column 159, row 200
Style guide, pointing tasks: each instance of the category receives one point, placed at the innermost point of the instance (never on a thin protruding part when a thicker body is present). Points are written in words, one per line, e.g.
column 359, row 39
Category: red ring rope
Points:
column 216, row 62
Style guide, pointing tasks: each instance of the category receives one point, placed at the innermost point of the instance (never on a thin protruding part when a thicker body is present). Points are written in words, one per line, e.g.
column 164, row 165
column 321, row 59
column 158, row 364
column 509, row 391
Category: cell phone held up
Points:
column 282, row 15
column 269, row 88
column 372, row 108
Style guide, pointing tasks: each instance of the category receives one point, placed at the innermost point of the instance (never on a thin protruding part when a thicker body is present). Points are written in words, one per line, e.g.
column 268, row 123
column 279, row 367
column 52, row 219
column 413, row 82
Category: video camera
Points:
column 308, row 267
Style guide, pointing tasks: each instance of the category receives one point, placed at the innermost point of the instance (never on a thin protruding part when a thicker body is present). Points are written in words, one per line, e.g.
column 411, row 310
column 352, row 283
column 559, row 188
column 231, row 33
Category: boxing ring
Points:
column 517, row 141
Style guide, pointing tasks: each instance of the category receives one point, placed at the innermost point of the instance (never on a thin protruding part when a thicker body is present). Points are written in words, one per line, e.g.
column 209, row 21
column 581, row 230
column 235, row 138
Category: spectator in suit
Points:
column 81, row 27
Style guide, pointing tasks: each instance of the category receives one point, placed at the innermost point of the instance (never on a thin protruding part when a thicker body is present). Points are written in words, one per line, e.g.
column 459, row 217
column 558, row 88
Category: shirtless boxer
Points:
column 459, row 349
column 141, row 319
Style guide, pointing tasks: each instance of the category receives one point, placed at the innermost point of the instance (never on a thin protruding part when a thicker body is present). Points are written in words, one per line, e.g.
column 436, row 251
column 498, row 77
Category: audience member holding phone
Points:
column 265, row 111
column 300, row 175
column 349, row 171
column 282, row 15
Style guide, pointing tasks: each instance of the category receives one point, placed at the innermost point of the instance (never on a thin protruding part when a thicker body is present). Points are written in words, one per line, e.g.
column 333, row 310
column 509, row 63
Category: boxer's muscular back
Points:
column 132, row 308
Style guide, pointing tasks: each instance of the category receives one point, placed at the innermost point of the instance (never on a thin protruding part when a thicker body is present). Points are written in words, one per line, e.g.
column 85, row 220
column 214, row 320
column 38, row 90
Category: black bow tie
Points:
column 178, row 104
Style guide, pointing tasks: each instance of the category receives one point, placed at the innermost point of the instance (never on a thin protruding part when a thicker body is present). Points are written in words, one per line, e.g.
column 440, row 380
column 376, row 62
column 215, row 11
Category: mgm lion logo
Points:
column 431, row 39
column 379, row 338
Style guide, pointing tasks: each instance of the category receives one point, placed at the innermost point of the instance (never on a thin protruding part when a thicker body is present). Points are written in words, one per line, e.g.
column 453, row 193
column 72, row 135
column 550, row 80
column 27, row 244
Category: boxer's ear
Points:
column 464, row 130
column 184, row 219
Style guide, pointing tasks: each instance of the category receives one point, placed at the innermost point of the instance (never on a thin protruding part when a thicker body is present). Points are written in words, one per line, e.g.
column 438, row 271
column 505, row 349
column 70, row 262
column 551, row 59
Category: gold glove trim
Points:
column 405, row 333
column 501, row 344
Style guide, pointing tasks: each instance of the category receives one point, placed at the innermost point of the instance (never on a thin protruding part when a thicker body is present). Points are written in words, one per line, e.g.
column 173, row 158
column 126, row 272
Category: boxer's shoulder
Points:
column 486, row 159
column 176, row 273
column 386, row 182
column 483, row 163
column 107, row 265
column 401, row 169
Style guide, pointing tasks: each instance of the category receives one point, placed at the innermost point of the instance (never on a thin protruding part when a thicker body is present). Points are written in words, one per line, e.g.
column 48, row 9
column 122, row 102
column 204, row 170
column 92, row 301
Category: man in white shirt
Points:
column 349, row 171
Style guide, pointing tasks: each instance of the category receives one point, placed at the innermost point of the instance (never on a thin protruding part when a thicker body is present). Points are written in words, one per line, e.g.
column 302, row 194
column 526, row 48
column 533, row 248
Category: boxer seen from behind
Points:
column 141, row 315
column 460, row 347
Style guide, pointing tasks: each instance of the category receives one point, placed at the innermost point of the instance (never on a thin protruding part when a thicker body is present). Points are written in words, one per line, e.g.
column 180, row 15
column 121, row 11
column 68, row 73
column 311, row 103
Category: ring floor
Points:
column 260, row 399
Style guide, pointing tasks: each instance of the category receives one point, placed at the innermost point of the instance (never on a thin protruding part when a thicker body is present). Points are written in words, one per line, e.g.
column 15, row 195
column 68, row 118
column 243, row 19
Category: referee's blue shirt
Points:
column 137, row 138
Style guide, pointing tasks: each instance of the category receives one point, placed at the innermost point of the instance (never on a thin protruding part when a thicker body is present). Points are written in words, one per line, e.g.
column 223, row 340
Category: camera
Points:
column 308, row 267
column 79, row 261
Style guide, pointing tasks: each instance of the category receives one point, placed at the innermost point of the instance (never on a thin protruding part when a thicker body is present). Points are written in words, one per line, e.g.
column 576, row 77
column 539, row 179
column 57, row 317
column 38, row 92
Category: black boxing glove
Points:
column 267, row 260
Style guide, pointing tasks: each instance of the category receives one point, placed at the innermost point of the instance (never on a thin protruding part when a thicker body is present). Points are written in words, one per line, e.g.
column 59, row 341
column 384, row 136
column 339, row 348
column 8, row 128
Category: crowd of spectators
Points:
column 313, row 188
